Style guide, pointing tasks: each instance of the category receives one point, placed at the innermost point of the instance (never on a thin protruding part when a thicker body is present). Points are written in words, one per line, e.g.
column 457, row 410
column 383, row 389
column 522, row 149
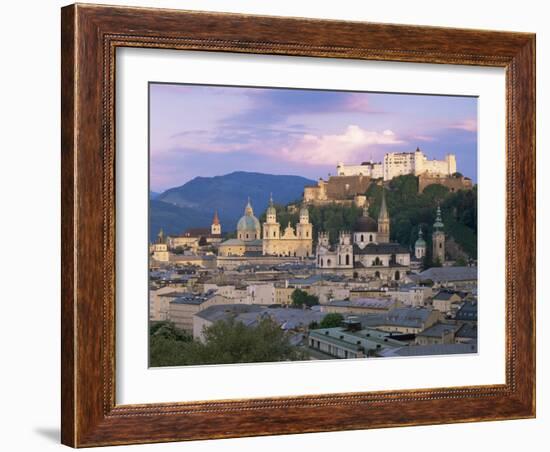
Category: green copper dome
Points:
column 248, row 222
column 420, row 243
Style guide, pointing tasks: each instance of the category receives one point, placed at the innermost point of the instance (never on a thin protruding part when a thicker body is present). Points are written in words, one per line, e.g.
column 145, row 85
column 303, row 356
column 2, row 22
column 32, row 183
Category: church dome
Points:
column 420, row 243
column 365, row 223
column 248, row 223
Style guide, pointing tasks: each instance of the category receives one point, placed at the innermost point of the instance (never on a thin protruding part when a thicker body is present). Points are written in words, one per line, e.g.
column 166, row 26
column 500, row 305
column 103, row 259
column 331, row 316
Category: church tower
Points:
column 216, row 228
column 383, row 235
column 438, row 239
column 304, row 228
column 271, row 226
column 345, row 250
column 420, row 246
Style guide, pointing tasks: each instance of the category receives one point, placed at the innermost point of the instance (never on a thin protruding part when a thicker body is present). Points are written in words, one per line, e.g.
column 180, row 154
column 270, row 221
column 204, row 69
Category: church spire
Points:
column 383, row 215
column 383, row 221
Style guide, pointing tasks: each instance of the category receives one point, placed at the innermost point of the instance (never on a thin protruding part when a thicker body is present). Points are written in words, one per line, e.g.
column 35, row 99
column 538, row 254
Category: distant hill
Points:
column 193, row 204
column 153, row 195
column 173, row 219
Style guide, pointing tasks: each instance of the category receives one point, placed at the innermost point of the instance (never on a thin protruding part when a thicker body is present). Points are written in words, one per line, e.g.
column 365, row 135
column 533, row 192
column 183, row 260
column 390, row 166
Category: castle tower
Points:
column 216, row 227
column 420, row 246
column 438, row 239
column 383, row 235
column 451, row 164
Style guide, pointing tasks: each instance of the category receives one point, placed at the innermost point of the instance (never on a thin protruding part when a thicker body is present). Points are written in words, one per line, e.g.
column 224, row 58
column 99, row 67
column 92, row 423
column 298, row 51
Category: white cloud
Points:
column 350, row 146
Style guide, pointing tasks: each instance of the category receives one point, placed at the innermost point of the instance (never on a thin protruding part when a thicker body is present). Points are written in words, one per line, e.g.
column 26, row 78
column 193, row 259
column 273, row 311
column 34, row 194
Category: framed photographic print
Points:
column 279, row 225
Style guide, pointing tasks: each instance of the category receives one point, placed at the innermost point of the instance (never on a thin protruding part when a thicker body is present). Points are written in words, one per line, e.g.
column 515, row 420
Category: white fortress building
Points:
column 399, row 164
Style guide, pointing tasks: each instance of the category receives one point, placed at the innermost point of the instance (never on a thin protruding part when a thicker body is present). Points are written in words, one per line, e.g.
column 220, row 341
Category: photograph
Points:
column 291, row 224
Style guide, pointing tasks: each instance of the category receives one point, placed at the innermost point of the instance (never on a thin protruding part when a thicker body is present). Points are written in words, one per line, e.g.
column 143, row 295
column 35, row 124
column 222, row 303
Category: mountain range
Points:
column 194, row 203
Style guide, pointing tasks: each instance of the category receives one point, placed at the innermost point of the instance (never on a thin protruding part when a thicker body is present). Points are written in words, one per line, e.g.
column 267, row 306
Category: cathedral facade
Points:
column 292, row 242
column 296, row 242
column 365, row 251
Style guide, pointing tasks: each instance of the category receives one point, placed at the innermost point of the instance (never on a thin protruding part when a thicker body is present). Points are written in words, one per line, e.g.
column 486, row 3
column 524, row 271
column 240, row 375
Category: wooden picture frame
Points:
column 90, row 36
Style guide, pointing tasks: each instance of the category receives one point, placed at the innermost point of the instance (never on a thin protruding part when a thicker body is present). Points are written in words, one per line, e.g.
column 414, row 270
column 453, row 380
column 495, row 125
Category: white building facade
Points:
column 400, row 164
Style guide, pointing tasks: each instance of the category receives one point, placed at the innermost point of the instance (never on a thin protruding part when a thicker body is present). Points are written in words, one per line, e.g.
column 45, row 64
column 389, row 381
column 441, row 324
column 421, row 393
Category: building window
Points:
column 347, row 259
column 274, row 233
column 370, row 238
column 362, row 238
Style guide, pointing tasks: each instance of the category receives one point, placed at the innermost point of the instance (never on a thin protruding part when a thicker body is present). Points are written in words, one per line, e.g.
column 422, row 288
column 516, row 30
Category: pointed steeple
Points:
column 383, row 221
column 383, row 215
column 160, row 236
column 216, row 219
column 248, row 209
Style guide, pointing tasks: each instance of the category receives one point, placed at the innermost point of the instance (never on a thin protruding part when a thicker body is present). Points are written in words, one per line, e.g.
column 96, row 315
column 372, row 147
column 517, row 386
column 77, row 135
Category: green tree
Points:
column 301, row 298
column 332, row 320
column 227, row 342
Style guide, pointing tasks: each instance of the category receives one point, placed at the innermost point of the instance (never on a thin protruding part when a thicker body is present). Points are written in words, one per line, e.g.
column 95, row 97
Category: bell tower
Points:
column 216, row 227
column 438, row 239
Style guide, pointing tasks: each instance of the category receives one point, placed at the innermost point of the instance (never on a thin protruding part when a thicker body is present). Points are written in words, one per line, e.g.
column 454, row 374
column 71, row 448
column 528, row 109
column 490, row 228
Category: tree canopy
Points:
column 225, row 342
column 332, row 320
column 301, row 298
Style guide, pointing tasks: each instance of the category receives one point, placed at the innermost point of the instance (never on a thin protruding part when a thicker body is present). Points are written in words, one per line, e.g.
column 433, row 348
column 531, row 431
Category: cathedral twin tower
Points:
column 292, row 242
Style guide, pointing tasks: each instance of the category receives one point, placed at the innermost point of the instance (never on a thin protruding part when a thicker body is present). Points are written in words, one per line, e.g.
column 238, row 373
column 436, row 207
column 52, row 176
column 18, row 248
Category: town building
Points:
column 182, row 309
column 402, row 320
column 195, row 237
column 348, row 342
column 360, row 306
column 439, row 333
column 431, row 349
column 292, row 321
column 159, row 249
column 449, row 277
column 444, row 300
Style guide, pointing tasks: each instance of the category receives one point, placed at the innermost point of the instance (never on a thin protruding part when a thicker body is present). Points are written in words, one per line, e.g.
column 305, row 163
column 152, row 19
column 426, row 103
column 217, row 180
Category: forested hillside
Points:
column 408, row 210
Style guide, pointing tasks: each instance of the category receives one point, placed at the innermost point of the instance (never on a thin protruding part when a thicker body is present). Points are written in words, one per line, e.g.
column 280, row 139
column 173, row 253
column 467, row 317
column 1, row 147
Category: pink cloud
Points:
column 358, row 103
column 349, row 146
column 469, row 125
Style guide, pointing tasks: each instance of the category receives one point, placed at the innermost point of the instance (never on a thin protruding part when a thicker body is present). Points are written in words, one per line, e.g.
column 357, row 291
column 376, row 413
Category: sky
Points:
column 198, row 130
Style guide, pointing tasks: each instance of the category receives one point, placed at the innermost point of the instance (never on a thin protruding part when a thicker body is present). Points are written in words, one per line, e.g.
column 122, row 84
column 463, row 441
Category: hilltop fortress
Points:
column 351, row 181
column 400, row 163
